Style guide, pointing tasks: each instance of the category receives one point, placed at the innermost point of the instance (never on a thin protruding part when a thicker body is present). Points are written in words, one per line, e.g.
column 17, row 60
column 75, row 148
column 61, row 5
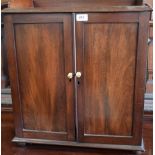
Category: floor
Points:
column 8, row 148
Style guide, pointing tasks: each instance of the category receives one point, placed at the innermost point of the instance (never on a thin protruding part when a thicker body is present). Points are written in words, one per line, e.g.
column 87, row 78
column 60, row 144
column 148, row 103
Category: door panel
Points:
column 40, row 76
column 109, row 67
column 44, row 58
column 107, row 57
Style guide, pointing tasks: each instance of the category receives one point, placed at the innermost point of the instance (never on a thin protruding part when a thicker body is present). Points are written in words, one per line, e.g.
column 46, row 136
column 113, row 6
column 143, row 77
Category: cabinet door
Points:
column 111, row 55
column 40, row 57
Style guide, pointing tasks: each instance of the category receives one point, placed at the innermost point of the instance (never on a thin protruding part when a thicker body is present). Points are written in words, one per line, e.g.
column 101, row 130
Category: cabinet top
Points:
column 70, row 9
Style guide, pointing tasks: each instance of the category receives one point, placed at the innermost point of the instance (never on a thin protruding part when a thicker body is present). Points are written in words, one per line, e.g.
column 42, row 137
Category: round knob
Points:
column 78, row 74
column 70, row 75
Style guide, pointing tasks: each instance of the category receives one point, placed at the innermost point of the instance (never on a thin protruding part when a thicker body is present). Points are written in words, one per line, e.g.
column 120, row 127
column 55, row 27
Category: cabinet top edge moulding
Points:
column 76, row 9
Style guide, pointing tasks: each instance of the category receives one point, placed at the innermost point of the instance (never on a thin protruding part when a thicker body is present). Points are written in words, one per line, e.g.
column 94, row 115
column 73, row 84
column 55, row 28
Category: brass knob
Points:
column 78, row 74
column 70, row 75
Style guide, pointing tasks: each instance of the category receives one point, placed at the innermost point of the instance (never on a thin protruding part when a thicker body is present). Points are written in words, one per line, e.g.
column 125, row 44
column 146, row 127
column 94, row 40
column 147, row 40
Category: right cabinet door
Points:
column 111, row 55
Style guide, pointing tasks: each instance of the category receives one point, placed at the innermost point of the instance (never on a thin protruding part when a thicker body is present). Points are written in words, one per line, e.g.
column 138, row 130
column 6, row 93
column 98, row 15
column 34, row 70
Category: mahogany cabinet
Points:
column 78, row 77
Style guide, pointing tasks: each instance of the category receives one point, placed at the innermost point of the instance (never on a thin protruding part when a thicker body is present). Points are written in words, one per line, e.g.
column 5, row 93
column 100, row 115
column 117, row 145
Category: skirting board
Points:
column 76, row 144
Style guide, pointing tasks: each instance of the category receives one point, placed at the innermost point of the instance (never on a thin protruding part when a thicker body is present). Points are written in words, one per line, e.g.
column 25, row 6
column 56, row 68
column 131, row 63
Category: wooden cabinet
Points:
column 78, row 78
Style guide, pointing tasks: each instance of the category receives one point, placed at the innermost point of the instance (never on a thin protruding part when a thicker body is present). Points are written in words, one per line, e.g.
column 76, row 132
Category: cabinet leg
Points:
column 22, row 144
column 139, row 152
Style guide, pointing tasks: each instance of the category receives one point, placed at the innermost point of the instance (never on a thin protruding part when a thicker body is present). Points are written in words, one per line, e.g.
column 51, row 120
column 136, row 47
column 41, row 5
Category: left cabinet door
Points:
column 39, row 49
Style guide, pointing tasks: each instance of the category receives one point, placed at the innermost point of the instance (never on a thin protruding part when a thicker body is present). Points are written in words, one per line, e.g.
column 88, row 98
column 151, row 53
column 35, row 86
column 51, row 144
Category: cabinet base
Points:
column 77, row 144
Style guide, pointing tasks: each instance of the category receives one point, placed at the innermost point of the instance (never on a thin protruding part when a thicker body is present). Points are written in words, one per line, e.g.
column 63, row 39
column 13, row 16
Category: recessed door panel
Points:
column 109, row 72
column 42, row 76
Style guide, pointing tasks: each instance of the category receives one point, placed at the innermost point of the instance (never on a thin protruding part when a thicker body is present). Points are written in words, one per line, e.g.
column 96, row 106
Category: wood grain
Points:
column 49, row 3
column 8, row 133
column 109, row 67
column 20, row 4
column 108, row 106
column 41, row 76
column 45, row 94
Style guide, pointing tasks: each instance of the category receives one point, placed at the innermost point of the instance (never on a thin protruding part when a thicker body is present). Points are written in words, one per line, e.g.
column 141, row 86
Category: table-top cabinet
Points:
column 78, row 77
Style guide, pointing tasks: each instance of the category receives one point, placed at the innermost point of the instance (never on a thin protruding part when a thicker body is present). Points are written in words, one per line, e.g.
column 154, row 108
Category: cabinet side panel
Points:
column 109, row 75
column 41, row 69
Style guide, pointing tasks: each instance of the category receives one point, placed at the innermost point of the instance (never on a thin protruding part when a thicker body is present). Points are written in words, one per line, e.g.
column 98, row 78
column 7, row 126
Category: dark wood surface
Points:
column 9, row 148
column 74, row 3
column 43, row 95
column 83, row 8
column 20, row 4
column 61, row 3
column 109, row 107
column 104, row 84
